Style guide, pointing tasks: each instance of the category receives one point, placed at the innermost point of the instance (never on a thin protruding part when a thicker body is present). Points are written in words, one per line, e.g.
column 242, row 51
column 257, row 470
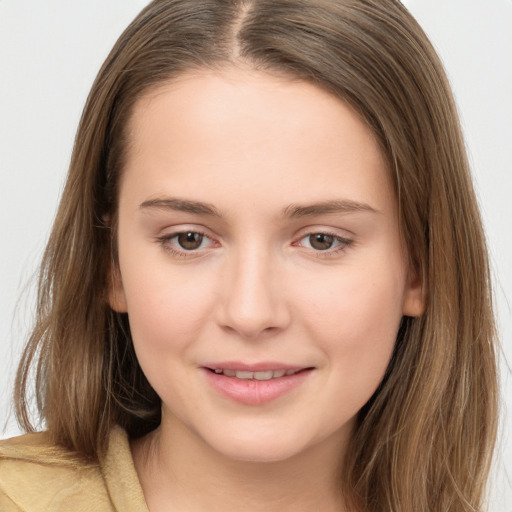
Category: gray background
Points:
column 50, row 51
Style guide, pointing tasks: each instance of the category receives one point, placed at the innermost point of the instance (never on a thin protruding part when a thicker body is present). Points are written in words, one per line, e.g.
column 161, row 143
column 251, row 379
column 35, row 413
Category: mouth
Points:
column 256, row 375
column 255, row 383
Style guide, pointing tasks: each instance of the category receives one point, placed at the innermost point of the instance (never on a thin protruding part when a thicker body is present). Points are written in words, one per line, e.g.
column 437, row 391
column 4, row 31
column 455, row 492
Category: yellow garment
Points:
column 38, row 477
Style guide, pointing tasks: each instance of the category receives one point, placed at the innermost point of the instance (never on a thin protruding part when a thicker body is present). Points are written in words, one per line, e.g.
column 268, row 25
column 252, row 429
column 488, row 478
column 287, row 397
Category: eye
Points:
column 321, row 241
column 189, row 241
column 324, row 242
column 186, row 243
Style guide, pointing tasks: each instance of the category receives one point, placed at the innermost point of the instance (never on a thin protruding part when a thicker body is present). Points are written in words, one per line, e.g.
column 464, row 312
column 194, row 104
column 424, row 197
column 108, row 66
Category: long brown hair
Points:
column 425, row 439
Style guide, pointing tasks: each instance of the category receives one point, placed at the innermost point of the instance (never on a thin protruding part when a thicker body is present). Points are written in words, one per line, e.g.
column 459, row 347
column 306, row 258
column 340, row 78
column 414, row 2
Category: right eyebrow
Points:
column 180, row 205
column 343, row 206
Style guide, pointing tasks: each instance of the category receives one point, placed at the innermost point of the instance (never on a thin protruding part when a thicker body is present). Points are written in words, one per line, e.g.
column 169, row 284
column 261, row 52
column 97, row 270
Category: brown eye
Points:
column 321, row 241
column 190, row 240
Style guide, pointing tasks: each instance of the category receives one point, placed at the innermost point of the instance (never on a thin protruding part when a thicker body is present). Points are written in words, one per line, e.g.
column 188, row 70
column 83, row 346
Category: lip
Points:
column 254, row 392
column 254, row 367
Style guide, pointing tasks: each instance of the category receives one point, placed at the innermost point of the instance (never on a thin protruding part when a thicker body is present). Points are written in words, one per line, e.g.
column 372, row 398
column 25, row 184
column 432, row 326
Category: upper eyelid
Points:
column 313, row 230
column 340, row 238
column 170, row 231
column 170, row 236
column 321, row 227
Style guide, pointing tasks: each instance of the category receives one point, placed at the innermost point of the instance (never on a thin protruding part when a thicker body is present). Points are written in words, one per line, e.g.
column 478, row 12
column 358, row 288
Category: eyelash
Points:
column 166, row 242
column 342, row 242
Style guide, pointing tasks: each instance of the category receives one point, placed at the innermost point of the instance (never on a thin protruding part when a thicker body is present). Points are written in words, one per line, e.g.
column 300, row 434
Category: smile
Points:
column 261, row 375
column 255, row 384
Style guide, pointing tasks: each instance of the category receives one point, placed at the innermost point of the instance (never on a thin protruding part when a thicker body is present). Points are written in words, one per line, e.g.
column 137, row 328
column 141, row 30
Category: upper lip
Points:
column 263, row 366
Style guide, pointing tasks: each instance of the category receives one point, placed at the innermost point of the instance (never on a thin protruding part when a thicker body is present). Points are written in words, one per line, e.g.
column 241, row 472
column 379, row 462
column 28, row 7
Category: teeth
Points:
column 263, row 375
column 245, row 375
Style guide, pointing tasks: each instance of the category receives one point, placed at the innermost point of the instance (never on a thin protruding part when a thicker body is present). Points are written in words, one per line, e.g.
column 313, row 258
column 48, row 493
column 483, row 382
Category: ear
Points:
column 116, row 296
column 414, row 299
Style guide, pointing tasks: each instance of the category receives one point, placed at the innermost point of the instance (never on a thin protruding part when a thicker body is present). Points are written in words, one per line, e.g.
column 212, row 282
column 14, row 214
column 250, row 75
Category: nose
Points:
column 253, row 302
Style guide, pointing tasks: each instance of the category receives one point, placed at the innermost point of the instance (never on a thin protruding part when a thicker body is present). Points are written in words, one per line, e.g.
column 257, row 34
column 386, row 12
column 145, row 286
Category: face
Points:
column 260, row 261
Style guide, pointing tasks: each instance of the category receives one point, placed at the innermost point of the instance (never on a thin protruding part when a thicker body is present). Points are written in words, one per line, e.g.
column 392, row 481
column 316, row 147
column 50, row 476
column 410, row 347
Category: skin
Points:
column 259, row 150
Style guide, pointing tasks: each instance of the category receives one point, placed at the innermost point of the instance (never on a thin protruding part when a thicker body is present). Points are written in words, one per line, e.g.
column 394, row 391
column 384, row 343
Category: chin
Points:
column 260, row 452
column 261, row 446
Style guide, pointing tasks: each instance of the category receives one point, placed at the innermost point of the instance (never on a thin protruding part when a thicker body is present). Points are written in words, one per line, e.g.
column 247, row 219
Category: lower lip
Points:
column 252, row 391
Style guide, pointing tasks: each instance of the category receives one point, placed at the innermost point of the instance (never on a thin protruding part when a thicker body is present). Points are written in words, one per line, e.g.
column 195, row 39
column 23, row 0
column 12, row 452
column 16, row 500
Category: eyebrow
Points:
column 343, row 206
column 181, row 205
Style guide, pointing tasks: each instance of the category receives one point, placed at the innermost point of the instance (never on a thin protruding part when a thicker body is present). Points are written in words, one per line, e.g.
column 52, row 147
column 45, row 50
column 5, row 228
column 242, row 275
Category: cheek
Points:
column 357, row 302
column 166, row 309
column 356, row 324
column 166, row 315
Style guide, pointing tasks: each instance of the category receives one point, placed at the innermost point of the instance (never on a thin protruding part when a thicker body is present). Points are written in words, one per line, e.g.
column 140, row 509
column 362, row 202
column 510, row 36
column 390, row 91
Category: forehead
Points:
column 233, row 129
column 234, row 95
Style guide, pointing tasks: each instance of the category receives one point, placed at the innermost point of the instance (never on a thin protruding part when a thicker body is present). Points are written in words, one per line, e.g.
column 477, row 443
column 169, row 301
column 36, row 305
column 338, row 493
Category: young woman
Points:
column 267, row 284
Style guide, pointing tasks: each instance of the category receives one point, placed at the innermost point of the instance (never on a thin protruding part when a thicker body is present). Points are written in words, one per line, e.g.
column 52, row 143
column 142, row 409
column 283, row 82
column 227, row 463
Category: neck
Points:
column 175, row 466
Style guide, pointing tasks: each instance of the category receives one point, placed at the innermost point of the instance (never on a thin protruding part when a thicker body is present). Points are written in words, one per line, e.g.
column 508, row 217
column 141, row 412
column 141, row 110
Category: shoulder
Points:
column 36, row 475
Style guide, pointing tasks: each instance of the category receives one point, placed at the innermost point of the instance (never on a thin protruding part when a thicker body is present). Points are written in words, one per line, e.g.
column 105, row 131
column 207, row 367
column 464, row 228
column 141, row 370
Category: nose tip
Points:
column 253, row 303
column 248, row 329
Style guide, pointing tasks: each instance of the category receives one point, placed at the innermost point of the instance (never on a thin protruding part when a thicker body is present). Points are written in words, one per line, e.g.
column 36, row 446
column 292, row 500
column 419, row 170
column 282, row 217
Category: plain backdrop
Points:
column 50, row 51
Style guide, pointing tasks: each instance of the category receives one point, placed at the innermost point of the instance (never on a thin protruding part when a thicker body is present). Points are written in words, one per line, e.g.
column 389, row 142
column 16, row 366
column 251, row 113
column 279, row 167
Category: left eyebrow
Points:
column 343, row 206
column 181, row 205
